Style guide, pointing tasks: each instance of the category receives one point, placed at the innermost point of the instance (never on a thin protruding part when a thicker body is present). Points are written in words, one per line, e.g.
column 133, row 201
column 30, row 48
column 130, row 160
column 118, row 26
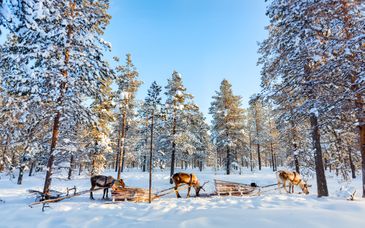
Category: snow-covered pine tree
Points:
column 150, row 114
column 62, row 52
column 340, row 30
column 100, row 131
column 173, row 143
column 258, row 137
column 199, row 138
column 227, row 123
column 291, row 58
column 272, row 143
column 128, row 84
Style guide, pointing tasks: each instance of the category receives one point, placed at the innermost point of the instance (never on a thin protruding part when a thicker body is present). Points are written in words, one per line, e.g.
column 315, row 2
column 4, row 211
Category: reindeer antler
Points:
column 203, row 185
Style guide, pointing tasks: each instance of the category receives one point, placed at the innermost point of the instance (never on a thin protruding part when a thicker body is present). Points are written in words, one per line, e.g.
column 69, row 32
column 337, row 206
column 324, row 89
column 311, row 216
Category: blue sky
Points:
column 205, row 40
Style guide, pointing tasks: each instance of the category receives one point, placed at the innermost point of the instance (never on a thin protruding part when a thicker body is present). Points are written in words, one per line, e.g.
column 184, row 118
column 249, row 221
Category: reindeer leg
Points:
column 188, row 195
column 104, row 192
column 177, row 192
column 91, row 193
column 284, row 185
column 107, row 193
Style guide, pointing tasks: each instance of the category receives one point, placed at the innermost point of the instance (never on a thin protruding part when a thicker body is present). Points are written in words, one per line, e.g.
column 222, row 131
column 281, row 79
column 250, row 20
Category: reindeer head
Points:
column 121, row 182
column 199, row 187
column 304, row 186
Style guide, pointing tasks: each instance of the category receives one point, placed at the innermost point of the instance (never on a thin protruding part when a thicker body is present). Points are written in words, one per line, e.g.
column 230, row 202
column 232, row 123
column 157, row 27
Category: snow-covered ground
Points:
column 271, row 209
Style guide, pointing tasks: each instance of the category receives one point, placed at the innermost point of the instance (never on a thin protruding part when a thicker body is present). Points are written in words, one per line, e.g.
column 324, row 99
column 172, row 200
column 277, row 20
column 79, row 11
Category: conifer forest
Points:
column 70, row 111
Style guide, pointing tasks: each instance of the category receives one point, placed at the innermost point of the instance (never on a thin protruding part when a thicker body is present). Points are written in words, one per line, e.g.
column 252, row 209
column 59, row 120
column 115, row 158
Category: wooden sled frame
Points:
column 228, row 188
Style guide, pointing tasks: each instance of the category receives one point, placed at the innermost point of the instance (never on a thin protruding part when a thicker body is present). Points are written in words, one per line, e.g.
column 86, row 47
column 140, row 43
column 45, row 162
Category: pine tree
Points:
column 256, row 108
column 100, row 131
column 176, row 106
column 61, row 39
column 291, row 59
column 128, row 85
column 151, row 109
column 199, row 139
column 227, row 123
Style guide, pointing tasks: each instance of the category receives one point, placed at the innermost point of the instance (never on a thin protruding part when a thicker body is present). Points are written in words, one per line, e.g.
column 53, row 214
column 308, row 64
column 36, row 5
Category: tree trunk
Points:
column 296, row 160
column 32, row 163
column 272, row 157
column 124, row 145
column 251, row 161
column 21, row 174
column 362, row 148
column 151, row 148
column 321, row 178
column 258, row 156
column 5, row 150
column 80, row 169
column 228, row 164
column 71, row 167
column 172, row 171
column 121, row 143
column 55, row 133
column 92, row 173
column 352, row 166
column 294, row 143
column 117, row 160
column 144, row 165
column 276, row 162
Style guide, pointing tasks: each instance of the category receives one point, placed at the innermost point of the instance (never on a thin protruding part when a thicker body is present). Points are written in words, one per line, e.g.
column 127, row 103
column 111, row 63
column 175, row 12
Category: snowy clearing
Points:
column 271, row 209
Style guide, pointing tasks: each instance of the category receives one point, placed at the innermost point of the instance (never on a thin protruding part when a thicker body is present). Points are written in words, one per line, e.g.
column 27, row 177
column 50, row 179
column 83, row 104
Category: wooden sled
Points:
column 54, row 199
column 227, row 188
column 132, row 194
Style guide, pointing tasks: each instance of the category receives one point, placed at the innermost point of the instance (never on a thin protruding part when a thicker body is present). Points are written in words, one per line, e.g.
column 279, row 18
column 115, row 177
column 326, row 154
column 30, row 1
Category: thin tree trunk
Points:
column 172, row 171
column 55, row 133
column 117, row 160
column 71, row 167
column 144, row 166
column 32, row 163
column 251, row 161
column 294, row 143
column 5, row 150
column 259, row 155
column 296, row 160
column 21, row 174
column 151, row 147
column 321, row 178
column 228, row 161
column 362, row 148
column 272, row 157
column 93, row 167
column 352, row 166
column 121, row 144
column 80, row 169
column 124, row 145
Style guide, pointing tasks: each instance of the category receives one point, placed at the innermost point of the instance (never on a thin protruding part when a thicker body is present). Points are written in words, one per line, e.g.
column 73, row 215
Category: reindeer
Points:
column 294, row 178
column 104, row 182
column 190, row 179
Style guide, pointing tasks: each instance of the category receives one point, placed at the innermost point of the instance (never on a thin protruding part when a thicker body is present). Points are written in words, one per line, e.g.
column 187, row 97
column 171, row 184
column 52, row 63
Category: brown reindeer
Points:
column 103, row 182
column 190, row 179
column 294, row 178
